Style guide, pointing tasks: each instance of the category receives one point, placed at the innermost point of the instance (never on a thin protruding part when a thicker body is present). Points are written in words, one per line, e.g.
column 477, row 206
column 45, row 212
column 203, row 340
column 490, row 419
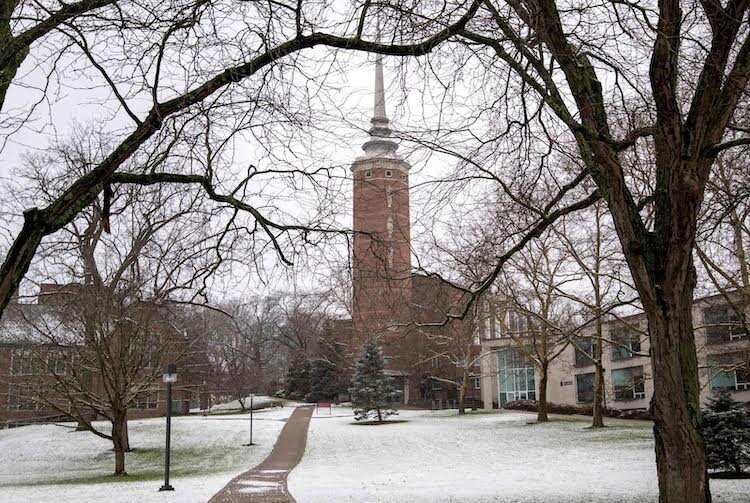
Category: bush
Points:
column 583, row 410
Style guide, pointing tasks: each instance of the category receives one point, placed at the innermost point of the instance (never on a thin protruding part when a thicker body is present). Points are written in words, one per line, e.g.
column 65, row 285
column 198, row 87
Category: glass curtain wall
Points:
column 515, row 376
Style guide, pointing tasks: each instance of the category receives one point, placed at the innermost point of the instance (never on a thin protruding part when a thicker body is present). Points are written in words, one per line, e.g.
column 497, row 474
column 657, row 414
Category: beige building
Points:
column 722, row 343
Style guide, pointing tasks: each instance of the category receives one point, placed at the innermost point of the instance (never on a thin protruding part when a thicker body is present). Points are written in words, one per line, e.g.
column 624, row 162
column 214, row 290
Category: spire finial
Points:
column 380, row 144
column 379, row 112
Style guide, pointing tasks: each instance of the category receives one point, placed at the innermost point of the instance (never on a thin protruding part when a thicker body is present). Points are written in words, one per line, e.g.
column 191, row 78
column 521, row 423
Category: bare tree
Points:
column 118, row 320
column 450, row 354
column 180, row 96
column 535, row 317
column 556, row 86
column 722, row 252
column 243, row 347
column 589, row 241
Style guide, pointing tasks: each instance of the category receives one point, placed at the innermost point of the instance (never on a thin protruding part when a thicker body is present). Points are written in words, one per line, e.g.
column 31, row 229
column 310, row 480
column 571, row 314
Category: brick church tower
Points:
column 381, row 264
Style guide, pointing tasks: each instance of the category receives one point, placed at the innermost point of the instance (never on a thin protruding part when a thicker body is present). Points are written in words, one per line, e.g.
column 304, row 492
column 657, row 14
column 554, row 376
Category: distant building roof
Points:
column 38, row 324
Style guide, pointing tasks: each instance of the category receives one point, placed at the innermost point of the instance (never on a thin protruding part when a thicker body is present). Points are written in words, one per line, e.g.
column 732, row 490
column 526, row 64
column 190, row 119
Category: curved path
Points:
column 266, row 483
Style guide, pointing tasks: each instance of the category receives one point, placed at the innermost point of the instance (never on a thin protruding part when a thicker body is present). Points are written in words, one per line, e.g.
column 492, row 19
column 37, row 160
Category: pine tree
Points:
column 373, row 393
column 726, row 430
column 324, row 381
column 297, row 378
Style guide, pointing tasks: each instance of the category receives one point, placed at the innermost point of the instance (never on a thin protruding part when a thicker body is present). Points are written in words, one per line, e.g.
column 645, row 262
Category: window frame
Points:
column 19, row 401
column 22, row 362
column 582, row 360
column 623, row 344
column 58, row 356
column 739, row 377
column 593, row 387
column 728, row 328
column 143, row 400
column 635, row 390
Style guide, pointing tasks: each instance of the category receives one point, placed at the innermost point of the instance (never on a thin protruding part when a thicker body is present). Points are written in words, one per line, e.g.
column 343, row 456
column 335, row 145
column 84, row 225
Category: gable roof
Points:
column 38, row 324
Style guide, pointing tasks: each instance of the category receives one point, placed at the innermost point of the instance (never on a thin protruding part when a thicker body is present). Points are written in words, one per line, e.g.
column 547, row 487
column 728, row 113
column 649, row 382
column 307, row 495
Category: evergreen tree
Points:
column 297, row 384
column 324, row 381
column 726, row 430
column 373, row 393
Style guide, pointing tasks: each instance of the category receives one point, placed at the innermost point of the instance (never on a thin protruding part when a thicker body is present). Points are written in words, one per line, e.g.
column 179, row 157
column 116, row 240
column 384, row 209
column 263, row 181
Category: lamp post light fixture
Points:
column 251, row 421
column 170, row 376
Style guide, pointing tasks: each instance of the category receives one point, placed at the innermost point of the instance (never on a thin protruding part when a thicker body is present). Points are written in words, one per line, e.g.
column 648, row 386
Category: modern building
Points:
column 722, row 344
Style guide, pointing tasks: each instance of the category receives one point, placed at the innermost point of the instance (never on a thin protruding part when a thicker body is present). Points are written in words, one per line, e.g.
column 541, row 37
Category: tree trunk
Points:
column 119, row 434
column 597, row 420
column 542, row 413
column 462, row 391
column 680, row 450
column 125, row 436
column 598, row 412
column 462, row 400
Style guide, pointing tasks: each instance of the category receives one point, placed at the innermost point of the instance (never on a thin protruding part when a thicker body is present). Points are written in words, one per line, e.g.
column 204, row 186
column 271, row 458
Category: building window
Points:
column 368, row 174
column 516, row 323
column 515, row 376
column 388, row 173
column 723, row 324
column 742, row 377
column 585, row 388
column 21, row 398
column 736, row 379
column 147, row 400
column 625, row 343
column 585, row 351
column 434, row 362
column 56, row 362
column 23, row 361
column 629, row 383
column 477, row 383
column 437, row 385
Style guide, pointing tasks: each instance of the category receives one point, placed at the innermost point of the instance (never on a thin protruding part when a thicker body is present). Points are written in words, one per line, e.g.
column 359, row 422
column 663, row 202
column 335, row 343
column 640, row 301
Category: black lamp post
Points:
column 170, row 376
column 251, row 421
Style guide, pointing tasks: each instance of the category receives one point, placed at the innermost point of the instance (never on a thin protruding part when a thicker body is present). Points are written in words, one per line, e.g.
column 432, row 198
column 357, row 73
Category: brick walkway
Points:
column 266, row 483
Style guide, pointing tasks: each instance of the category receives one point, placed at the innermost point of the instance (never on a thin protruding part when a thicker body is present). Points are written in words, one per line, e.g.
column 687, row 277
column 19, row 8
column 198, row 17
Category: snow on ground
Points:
column 482, row 457
column 54, row 463
column 259, row 402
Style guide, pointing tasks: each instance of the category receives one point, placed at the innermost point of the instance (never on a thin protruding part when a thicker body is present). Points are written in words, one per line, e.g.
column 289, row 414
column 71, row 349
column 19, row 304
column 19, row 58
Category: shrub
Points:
column 584, row 410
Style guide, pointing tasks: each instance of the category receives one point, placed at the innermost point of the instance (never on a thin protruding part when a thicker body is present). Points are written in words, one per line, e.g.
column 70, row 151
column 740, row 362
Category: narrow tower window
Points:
column 389, row 173
column 368, row 173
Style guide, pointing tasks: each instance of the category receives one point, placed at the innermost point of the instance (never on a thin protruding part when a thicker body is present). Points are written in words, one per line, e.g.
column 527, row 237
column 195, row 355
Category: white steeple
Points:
column 379, row 144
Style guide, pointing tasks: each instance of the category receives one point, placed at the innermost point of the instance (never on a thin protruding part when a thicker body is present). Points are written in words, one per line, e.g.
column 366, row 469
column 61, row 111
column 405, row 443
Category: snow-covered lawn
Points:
column 431, row 457
column 53, row 463
column 439, row 457
column 259, row 402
